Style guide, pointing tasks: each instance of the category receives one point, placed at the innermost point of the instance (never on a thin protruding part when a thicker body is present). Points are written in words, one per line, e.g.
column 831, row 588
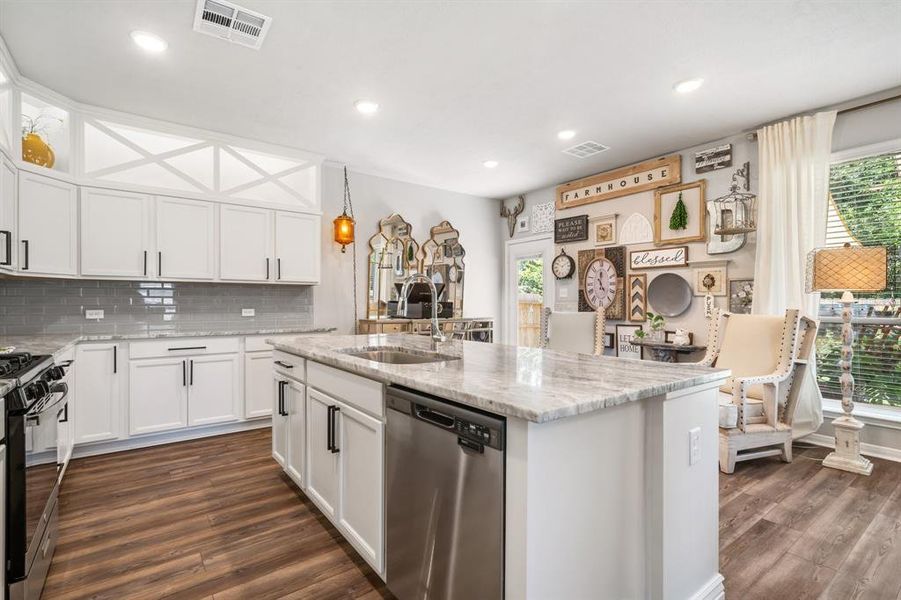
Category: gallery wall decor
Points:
column 711, row 159
column 636, row 230
column 646, row 175
column 616, row 255
column 669, row 337
column 512, row 213
column 659, row 258
column 625, row 338
column 608, row 340
column 543, row 218
column 741, row 295
column 603, row 229
column 637, row 290
column 680, row 213
column 737, row 210
column 721, row 244
column 571, row 229
column 709, row 280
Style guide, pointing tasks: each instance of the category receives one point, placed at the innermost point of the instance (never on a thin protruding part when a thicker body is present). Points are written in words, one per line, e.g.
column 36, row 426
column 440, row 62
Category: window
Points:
column 865, row 209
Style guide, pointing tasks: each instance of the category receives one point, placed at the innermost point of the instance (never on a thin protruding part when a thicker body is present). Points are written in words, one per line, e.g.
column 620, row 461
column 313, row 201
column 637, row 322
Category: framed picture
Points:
column 608, row 340
column 680, row 213
column 668, row 337
column 571, row 229
column 616, row 255
column 625, row 348
column 659, row 258
column 604, row 229
column 710, row 280
column 624, row 181
column 637, row 291
column 522, row 224
column 741, row 295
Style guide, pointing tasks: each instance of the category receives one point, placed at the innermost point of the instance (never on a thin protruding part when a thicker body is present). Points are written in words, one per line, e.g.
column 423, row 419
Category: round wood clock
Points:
column 563, row 265
column 600, row 283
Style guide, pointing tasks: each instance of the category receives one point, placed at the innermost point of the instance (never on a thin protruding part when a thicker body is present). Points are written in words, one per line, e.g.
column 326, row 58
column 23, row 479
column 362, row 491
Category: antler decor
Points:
column 511, row 213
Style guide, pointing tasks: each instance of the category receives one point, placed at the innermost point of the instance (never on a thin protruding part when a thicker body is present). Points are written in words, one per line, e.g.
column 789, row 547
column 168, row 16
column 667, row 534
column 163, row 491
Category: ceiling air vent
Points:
column 231, row 22
column 586, row 149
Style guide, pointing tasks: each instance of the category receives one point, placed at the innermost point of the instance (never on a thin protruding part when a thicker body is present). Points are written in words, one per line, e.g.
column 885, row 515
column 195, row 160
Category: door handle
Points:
column 282, row 409
column 159, row 263
column 25, row 243
column 334, row 424
column 267, row 268
column 186, row 348
column 65, row 418
column 9, row 248
column 328, row 429
column 115, row 358
column 145, row 263
column 284, row 365
column 278, row 268
column 191, row 373
column 184, row 373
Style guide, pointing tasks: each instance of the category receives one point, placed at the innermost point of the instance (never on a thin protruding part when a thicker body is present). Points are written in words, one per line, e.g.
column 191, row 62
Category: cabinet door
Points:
column 258, row 399
column 295, row 400
column 8, row 240
column 185, row 239
column 245, row 243
column 360, row 444
column 279, row 420
column 115, row 233
column 296, row 247
column 97, row 389
column 65, row 429
column 214, row 392
column 48, row 225
column 157, row 395
column 322, row 472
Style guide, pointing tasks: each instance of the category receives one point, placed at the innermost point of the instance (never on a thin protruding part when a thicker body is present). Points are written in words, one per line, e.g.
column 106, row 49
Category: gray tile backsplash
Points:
column 32, row 306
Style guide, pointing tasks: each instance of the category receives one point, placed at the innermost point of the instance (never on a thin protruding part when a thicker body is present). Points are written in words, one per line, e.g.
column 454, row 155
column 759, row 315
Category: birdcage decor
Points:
column 736, row 212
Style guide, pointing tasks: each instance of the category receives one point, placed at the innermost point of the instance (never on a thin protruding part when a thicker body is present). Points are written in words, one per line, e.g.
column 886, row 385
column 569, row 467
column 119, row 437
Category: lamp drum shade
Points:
column 849, row 268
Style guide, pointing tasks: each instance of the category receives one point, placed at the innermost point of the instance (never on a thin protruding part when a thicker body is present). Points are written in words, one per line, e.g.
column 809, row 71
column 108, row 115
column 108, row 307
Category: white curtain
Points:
column 794, row 189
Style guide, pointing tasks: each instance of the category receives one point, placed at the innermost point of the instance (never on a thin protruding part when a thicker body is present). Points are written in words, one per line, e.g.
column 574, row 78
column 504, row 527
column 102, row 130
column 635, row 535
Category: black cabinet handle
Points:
column 184, row 373
column 9, row 248
column 191, row 374
column 186, row 348
column 145, row 263
column 284, row 365
column 335, row 448
column 267, row 268
column 65, row 418
column 282, row 409
column 25, row 243
column 159, row 263
column 328, row 428
column 115, row 359
column 278, row 268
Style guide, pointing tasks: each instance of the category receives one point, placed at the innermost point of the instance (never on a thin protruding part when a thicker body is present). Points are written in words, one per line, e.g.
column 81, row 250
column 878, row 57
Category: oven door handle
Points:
column 61, row 388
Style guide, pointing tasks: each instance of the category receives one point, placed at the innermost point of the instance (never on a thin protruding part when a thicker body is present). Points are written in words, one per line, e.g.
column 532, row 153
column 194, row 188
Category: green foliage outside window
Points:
column 531, row 276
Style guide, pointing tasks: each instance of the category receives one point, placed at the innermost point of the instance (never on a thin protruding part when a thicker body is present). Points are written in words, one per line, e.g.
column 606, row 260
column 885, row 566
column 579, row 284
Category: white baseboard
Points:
column 158, row 439
column 712, row 590
column 869, row 449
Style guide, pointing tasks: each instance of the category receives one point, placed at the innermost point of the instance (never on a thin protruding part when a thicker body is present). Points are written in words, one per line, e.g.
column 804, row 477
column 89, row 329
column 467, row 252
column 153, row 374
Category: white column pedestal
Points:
column 847, row 455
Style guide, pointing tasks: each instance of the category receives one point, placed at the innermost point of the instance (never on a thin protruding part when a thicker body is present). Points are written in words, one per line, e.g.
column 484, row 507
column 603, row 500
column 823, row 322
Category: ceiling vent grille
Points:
column 231, row 22
column 586, row 149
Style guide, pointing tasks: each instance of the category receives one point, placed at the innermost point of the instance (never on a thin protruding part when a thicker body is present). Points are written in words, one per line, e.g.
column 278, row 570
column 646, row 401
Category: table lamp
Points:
column 847, row 269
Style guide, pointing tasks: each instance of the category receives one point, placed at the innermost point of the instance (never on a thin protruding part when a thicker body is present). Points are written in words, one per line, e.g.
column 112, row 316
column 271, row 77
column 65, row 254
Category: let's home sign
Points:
column 647, row 175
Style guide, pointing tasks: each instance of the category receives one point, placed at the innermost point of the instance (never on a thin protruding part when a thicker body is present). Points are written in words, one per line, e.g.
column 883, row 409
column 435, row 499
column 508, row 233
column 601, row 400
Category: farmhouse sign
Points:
column 647, row 175
column 571, row 229
column 714, row 158
column 677, row 256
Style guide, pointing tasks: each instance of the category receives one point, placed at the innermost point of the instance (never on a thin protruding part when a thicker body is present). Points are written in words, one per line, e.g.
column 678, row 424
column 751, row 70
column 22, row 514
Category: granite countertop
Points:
column 56, row 343
column 393, row 320
column 528, row 383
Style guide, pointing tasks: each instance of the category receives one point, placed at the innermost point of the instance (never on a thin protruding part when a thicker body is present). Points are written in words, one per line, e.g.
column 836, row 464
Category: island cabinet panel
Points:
column 115, row 233
column 295, row 405
column 245, row 243
column 185, row 239
column 98, row 388
column 297, row 247
column 48, row 225
column 258, row 398
column 214, row 389
column 366, row 394
column 279, row 421
column 157, row 395
column 322, row 475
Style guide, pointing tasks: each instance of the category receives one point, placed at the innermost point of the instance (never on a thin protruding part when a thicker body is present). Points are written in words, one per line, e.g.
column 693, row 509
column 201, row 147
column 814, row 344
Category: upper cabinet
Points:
column 185, row 239
column 115, row 233
column 245, row 243
column 8, row 241
column 48, row 225
column 296, row 247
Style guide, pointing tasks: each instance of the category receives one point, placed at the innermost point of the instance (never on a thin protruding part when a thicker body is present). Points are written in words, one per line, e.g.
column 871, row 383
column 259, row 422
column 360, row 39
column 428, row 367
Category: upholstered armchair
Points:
column 768, row 356
column 581, row 332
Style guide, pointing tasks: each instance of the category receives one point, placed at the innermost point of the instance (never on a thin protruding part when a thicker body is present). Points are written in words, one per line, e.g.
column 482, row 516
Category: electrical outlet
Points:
column 248, row 312
column 94, row 314
column 694, row 445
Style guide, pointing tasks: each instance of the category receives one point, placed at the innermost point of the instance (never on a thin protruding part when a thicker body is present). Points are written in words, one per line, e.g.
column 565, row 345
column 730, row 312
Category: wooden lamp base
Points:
column 847, row 447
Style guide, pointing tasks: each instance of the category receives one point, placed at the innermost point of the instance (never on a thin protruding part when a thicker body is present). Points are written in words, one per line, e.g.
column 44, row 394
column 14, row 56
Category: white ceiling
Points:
column 463, row 82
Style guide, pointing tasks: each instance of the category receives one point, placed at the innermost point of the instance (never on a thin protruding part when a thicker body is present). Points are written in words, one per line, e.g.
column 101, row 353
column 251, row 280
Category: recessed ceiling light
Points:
column 366, row 107
column 689, row 85
column 489, row 164
column 566, row 134
column 149, row 41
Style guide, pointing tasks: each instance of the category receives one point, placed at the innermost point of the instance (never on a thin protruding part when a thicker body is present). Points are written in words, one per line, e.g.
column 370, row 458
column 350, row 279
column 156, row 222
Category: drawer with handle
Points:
column 289, row 365
column 184, row 346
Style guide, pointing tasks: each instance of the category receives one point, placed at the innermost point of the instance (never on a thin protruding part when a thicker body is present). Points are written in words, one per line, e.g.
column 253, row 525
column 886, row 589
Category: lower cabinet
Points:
column 213, row 389
column 288, row 427
column 322, row 478
column 258, row 389
column 66, row 426
column 98, row 388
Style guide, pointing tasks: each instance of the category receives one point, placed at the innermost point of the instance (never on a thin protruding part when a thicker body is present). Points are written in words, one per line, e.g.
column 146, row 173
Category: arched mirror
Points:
column 442, row 260
column 392, row 256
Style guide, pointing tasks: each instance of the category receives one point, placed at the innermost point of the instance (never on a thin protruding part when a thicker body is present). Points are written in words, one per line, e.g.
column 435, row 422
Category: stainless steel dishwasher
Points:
column 445, row 500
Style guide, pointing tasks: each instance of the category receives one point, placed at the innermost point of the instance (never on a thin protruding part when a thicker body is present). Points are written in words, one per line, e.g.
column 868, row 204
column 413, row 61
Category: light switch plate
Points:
column 248, row 312
column 96, row 313
column 694, row 445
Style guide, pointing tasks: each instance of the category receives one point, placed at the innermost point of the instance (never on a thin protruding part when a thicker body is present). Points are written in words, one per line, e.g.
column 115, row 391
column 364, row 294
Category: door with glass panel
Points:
column 529, row 288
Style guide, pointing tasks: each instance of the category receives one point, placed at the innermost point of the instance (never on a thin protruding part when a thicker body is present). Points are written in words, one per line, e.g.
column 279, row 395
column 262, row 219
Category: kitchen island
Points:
column 610, row 466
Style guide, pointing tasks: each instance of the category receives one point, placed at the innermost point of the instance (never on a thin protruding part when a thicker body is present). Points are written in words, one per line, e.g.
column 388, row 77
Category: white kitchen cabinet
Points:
column 157, row 395
column 115, row 233
column 245, row 243
column 48, row 225
column 322, row 474
column 185, row 239
column 360, row 444
column 98, row 392
column 8, row 240
column 279, row 421
column 66, row 426
column 295, row 405
column 214, row 390
column 258, row 390
column 297, row 247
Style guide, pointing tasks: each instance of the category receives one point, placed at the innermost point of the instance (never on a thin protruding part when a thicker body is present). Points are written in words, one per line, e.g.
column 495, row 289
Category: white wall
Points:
column 375, row 198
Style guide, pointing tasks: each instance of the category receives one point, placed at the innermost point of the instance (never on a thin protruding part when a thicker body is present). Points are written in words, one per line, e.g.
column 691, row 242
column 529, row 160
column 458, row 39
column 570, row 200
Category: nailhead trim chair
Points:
column 581, row 332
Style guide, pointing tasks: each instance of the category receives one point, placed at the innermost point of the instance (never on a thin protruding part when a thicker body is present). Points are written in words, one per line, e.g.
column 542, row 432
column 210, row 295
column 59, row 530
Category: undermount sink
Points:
column 398, row 356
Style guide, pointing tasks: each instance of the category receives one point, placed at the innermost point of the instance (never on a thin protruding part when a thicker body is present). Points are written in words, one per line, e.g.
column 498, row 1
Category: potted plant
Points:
column 656, row 323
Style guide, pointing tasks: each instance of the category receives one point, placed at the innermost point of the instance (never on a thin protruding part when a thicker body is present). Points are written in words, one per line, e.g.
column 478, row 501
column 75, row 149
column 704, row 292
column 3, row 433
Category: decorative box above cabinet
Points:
column 115, row 233
column 48, row 225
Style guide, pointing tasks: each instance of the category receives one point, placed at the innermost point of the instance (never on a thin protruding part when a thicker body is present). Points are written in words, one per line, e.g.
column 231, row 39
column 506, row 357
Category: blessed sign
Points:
column 658, row 258
column 648, row 175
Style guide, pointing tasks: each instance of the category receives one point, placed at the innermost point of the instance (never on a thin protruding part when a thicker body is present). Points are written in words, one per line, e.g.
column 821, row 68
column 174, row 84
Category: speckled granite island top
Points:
column 528, row 383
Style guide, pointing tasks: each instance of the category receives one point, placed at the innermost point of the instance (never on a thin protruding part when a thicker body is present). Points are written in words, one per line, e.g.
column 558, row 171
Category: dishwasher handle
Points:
column 434, row 417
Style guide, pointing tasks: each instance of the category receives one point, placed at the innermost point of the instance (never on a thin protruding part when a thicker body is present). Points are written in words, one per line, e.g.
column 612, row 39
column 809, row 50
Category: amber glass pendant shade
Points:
column 344, row 230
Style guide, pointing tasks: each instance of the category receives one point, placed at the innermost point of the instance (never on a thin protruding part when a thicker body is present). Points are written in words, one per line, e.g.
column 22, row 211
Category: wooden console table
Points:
column 667, row 352
column 467, row 328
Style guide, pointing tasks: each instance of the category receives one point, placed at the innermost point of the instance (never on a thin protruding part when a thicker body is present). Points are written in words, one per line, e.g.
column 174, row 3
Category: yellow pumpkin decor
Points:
column 36, row 151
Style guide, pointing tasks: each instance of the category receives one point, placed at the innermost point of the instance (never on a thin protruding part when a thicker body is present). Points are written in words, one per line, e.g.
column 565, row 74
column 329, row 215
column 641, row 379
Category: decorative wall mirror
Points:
column 442, row 260
column 393, row 255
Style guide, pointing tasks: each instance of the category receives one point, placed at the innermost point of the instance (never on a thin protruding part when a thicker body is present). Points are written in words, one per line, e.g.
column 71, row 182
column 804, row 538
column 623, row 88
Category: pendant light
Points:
column 344, row 223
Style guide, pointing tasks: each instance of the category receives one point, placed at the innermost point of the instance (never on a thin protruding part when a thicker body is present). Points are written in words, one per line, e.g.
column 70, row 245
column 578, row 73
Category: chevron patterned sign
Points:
column 638, row 303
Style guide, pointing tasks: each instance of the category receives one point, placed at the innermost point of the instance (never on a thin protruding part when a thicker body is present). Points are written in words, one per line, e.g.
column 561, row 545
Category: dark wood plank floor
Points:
column 217, row 519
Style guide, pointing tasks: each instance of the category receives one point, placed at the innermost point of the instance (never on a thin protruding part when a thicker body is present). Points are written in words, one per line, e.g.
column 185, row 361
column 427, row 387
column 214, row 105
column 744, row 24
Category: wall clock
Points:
column 600, row 283
column 563, row 265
